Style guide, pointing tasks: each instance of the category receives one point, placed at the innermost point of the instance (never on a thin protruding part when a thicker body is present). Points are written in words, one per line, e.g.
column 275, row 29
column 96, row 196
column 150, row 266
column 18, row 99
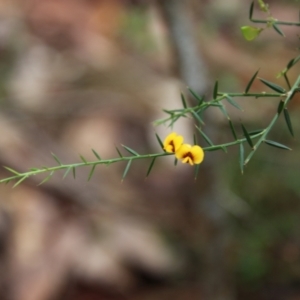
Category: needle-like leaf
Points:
column 288, row 121
column 280, row 107
column 11, row 170
column 119, row 152
column 197, row 117
column 151, row 166
column 232, row 129
column 247, row 136
column 91, row 172
column 232, row 102
column 18, row 182
column 251, row 10
column 207, row 139
column 126, row 169
column 159, row 141
column 242, row 158
column 273, row 86
column 277, row 145
column 278, row 30
column 183, row 101
column 215, row 94
column 47, row 178
column 96, row 154
column 197, row 167
column 57, row 159
column 198, row 97
column 83, row 159
column 251, row 80
column 67, row 172
column 130, row 150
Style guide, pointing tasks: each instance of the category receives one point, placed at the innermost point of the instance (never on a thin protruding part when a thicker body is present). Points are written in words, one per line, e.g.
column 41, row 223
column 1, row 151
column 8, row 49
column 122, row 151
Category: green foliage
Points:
column 252, row 32
column 196, row 111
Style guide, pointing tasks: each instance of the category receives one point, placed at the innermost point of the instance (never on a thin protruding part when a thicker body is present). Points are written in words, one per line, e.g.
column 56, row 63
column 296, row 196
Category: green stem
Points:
column 76, row 165
column 262, row 135
column 25, row 175
column 252, row 95
column 178, row 113
column 273, row 121
column 236, row 142
column 275, row 22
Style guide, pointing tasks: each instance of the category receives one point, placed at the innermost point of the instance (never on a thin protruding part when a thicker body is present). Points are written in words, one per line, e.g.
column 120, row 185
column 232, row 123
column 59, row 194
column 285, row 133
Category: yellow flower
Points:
column 173, row 142
column 190, row 154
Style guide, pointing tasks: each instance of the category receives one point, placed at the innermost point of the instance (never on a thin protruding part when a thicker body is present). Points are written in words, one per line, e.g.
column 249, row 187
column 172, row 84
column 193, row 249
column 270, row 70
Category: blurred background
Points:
column 82, row 74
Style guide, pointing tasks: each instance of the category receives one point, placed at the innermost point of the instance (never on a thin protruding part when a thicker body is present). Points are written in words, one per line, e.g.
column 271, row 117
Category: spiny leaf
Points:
column 159, row 141
column 11, row 170
column 21, row 180
column 119, row 152
column 46, row 179
column 273, row 86
column 280, row 106
column 126, row 169
column 195, row 139
column 83, row 159
column 278, row 30
column 200, row 99
column 57, row 159
column 247, row 136
column 96, row 154
column 167, row 111
column 174, row 119
column 254, row 132
column 67, row 172
column 91, row 172
column 287, row 80
column 232, row 102
column 74, row 172
column 130, row 150
column 215, row 94
column 197, row 167
column 251, row 10
column 224, row 111
column 197, row 117
column 288, row 121
column 251, row 80
column 183, row 101
column 277, row 145
column 151, row 166
column 205, row 137
column 232, row 129
column 293, row 61
column 242, row 158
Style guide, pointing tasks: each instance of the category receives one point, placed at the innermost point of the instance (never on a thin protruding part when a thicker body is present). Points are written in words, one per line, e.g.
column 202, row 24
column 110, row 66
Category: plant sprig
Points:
column 252, row 139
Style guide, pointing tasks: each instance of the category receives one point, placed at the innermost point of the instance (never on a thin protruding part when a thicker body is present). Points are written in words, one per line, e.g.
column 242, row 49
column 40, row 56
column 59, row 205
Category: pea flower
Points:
column 173, row 142
column 190, row 154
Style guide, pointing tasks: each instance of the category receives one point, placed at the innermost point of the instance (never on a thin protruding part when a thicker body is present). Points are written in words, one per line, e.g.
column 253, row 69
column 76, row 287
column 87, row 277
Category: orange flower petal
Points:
column 173, row 142
column 190, row 154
